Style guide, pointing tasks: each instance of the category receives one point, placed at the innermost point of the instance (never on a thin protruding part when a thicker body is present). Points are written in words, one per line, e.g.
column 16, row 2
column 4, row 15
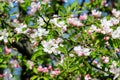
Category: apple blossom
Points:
column 34, row 7
column 40, row 21
column 105, row 59
column 62, row 33
column 92, row 29
column 4, row 35
column 7, row 50
column 50, row 67
column 45, row 69
column 45, row 1
column 14, row 63
column 40, row 69
column 116, row 33
column 80, row 51
column 96, row 13
column 106, row 26
column 115, row 70
column 106, row 38
column 114, row 21
column 30, row 64
column 19, row 29
column 75, row 22
column 55, row 72
column 60, row 24
column 87, row 77
column 21, row 1
column 41, row 32
column 95, row 62
column 83, row 17
column 51, row 46
column 116, row 13
column 104, row 2
column 1, row 75
column 71, row 55
column 8, row 74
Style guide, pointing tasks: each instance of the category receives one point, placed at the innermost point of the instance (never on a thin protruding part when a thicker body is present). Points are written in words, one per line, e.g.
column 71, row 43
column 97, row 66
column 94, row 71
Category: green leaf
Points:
column 0, row 49
column 3, row 66
column 36, row 54
column 44, row 78
column 74, row 5
column 35, row 70
column 62, row 49
column 33, row 77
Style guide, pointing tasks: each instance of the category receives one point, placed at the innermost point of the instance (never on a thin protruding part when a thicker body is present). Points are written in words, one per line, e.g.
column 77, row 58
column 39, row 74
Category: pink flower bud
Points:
column 113, row 11
column 55, row 16
column 7, row 50
column 38, row 7
column 72, row 16
column 96, row 13
column 1, row 75
column 45, row 69
column 71, row 55
column 83, row 17
column 98, row 30
column 35, row 44
column 105, row 59
column 90, row 32
column 50, row 67
column 16, row 21
column 46, row 1
column 87, row 77
column 95, row 62
column 57, row 72
column 64, row 28
column 40, row 69
column 106, row 38
column 117, row 50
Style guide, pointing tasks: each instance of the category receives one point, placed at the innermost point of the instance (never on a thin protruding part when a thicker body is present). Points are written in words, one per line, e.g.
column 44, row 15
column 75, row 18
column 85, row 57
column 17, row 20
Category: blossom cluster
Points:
column 52, row 45
column 69, row 47
column 75, row 22
column 80, row 51
column 59, row 24
column 49, row 70
column 3, row 35
column 116, row 33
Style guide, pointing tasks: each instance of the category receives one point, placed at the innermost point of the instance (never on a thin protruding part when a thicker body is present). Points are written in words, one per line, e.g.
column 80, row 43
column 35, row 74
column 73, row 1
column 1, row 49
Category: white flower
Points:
column 8, row 75
column 92, row 28
column 83, row 17
column 60, row 24
column 14, row 63
column 96, row 13
column 115, row 70
column 74, row 22
column 21, row 1
column 80, row 51
column 51, row 46
column 116, row 13
column 116, row 33
column 105, row 59
column 4, row 35
column 20, row 28
column 114, row 21
column 105, row 25
column 34, row 7
column 87, row 77
column 41, row 32
column 30, row 64
column 40, row 21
